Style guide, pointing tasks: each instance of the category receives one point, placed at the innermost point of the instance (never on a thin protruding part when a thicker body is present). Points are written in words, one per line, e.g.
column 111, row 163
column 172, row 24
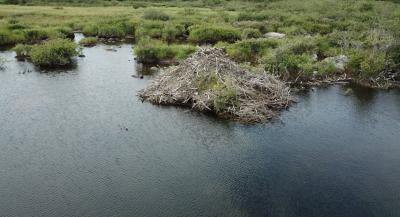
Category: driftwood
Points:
column 259, row 96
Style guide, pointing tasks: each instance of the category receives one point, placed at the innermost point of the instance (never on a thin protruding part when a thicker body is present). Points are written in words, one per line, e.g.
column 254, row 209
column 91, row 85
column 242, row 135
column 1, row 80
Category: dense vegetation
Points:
column 52, row 53
column 317, row 31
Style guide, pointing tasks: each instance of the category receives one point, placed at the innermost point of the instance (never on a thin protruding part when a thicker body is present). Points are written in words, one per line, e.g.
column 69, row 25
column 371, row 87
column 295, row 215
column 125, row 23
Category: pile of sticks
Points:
column 260, row 96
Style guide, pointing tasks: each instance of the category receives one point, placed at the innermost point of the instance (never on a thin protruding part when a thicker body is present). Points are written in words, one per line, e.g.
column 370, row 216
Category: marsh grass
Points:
column 154, row 51
column 366, row 31
column 89, row 41
column 52, row 53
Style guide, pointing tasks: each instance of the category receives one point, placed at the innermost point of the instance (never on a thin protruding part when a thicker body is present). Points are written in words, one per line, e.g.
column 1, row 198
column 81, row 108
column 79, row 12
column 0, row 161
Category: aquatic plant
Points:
column 53, row 53
column 89, row 41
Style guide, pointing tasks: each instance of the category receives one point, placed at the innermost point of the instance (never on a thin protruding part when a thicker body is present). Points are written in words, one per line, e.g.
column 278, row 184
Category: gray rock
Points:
column 153, row 68
column 314, row 57
column 274, row 35
column 340, row 62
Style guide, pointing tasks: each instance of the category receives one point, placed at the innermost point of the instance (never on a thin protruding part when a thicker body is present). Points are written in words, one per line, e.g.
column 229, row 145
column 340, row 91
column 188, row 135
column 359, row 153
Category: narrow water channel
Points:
column 78, row 142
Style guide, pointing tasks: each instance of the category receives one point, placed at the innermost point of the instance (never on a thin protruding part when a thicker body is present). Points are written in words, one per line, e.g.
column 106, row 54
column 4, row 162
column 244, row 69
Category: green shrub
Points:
column 128, row 27
column 182, row 51
column 35, row 35
column 155, row 15
column 16, row 26
column 289, row 65
column 22, row 50
column 394, row 53
column 152, row 29
column 90, row 30
column 152, row 51
column 225, row 95
column 320, row 28
column 261, row 26
column 366, row 7
column 367, row 63
column 251, row 16
column 251, row 33
column 118, row 30
column 89, row 41
column 110, row 31
column 250, row 50
column 53, row 53
column 213, row 34
column 292, row 30
column 160, row 30
column 293, row 59
column 64, row 32
column 326, row 68
column 355, row 60
column 171, row 32
column 373, row 64
column 303, row 46
column 6, row 37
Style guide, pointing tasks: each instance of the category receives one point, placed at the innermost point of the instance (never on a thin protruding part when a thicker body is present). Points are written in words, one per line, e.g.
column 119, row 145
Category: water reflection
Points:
column 79, row 143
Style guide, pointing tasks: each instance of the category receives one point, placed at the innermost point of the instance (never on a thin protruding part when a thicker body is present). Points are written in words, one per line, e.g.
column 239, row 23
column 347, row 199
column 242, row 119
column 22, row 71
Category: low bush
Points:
column 250, row 50
column 150, row 28
column 89, row 41
column 128, row 27
column 213, row 34
column 63, row 32
column 168, row 32
column 171, row 32
column 261, row 26
column 153, row 51
column 155, row 15
column 366, row 7
column 367, row 63
column 90, row 29
column 35, row 35
column 22, row 50
column 16, row 26
column 251, row 33
column 301, row 46
column 246, row 16
column 109, row 30
column 226, row 95
column 290, row 66
column 6, row 37
column 53, row 53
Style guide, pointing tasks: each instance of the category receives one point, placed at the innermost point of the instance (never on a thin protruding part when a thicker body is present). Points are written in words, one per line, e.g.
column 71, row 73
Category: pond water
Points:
column 78, row 142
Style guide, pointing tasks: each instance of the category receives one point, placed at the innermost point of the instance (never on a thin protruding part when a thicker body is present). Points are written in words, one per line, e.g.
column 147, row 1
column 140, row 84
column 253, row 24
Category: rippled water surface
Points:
column 78, row 142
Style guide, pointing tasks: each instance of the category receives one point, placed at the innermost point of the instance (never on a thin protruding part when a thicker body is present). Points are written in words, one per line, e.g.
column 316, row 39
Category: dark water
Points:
column 80, row 143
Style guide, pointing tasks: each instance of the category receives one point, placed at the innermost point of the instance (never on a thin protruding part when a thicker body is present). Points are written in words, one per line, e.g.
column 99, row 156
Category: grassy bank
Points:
column 318, row 34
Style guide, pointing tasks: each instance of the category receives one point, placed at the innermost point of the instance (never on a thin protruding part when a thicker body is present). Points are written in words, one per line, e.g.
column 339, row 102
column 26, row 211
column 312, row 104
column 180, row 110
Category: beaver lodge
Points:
column 208, row 81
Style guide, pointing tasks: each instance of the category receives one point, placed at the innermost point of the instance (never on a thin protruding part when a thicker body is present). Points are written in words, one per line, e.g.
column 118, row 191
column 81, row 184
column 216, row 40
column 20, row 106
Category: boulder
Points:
column 274, row 35
column 339, row 62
